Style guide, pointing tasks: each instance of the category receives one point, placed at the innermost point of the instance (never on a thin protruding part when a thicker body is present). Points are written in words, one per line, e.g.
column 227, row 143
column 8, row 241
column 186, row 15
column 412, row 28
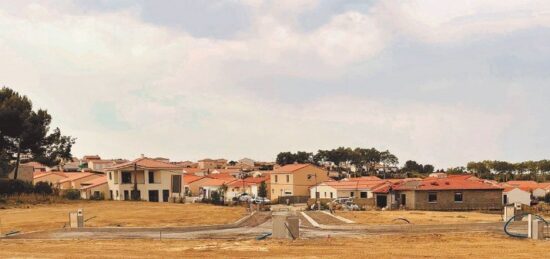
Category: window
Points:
column 276, row 178
column 459, row 197
column 110, row 175
column 287, row 178
column 331, row 195
column 432, row 197
column 288, row 193
column 117, row 193
column 151, row 177
column 126, row 177
column 363, row 194
column 325, row 194
column 176, row 183
column 317, row 195
column 351, row 194
column 505, row 199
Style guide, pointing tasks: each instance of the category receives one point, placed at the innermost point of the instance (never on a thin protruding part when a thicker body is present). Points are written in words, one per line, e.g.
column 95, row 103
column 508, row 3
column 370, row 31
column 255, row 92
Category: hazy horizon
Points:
column 438, row 82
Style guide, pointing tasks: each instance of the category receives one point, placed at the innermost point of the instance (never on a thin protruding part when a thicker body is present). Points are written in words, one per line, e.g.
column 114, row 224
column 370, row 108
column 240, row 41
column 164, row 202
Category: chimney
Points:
column 142, row 156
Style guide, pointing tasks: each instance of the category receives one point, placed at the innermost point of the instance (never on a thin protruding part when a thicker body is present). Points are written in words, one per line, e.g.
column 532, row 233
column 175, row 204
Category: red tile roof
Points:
column 363, row 178
column 189, row 178
column 524, row 184
column 463, row 182
column 354, row 185
column 94, row 183
column 43, row 174
column 34, row 164
column 215, row 182
column 248, row 181
column 290, row 168
column 146, row 163
column 76, row 176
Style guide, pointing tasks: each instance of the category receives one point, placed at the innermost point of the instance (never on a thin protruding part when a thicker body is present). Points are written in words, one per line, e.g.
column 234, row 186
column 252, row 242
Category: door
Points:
column 403, row 199
column 154, row 196
column 381, row 201
column 110, row 194
column 126, row 195
column 165, row 195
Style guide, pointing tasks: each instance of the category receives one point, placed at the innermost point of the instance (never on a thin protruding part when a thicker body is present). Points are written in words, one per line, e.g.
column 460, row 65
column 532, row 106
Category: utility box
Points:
column 509, row 212
column 537, row 229
column 76, row 219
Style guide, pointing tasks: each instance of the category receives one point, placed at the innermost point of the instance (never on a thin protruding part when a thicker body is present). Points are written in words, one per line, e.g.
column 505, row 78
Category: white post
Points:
column 529, row 226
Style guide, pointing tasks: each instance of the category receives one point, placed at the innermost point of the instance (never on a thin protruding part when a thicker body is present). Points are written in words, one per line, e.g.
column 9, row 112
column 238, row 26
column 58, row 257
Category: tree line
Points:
column 27, row 131
column 506, row 171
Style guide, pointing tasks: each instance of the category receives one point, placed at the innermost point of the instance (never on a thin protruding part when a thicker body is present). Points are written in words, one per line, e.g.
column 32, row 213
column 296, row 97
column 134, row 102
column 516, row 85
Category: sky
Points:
column 439, row 82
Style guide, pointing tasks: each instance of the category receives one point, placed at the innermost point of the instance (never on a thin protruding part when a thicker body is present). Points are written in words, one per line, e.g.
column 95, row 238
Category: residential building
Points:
column 516, row 195
column 89, row 158
column 295, row 180
column 250, row 186
column 52, row 178
column 541, row 190
column 37, row 167
column 96, row 188
column 344, row 189
column 212, row 163
column 454, row 192
column 74, row 180
column 25, row 173
column 100, row 165
column 147, row 179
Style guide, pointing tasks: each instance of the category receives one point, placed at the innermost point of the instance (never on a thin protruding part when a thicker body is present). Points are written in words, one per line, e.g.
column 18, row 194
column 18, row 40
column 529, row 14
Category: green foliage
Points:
column 43, row 188
column 262, row 190
column 547, row 198
column 25, row 131
column 412, row 167
column 72, row 194
column 285, row 158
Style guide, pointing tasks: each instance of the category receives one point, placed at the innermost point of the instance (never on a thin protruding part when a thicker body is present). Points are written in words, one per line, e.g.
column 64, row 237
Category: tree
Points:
column 24, row 131
column 262, row 190
column 285, row 158
column 428, row 169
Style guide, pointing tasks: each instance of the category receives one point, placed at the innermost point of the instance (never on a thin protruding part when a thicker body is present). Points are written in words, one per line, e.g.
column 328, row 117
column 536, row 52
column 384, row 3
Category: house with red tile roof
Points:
column 296, row 180
column 96, row 188
column 541, row 190
column 516, row 195
column 345, row 189
column 204, row 186
column 145, row 179
column 248, row 186
column 454, row 192
column 52, row 178
column 74, row 180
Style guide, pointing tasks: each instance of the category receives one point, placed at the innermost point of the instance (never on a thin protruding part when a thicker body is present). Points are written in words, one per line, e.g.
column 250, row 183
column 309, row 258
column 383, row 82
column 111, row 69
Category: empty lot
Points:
column 418, row 217
column 403, row 246
column 117, row 213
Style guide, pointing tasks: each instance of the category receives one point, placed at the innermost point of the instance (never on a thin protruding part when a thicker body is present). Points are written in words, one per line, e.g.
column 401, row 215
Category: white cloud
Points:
column 181, row 96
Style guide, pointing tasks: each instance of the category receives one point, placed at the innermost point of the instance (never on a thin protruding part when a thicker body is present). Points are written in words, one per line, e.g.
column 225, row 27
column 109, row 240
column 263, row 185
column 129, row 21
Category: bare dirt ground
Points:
column 118, row 213
column 483, row 245
column 418, row 217
column 324, row 219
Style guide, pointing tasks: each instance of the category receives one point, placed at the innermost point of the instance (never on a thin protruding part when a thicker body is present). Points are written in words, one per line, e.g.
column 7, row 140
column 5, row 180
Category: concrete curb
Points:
column 311, row 221
column 339, row 218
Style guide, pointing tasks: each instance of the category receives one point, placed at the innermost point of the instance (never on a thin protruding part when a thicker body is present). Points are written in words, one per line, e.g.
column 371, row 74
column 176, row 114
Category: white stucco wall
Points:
column 518, row 196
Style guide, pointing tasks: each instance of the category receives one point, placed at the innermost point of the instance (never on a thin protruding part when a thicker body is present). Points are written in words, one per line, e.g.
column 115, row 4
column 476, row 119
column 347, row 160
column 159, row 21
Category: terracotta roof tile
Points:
column 94, row 183
column 146, row 163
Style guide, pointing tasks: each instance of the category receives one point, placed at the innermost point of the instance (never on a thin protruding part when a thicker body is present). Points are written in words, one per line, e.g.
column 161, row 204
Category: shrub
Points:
column 547, row 198
column 11, row 187
column 96, row 197
column 72, row 194
column 43, row 188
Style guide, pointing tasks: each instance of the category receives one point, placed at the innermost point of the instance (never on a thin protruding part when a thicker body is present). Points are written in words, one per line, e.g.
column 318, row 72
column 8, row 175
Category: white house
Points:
column 344, row 189
column 516, row 195
column 149, row 179
column 541, row 190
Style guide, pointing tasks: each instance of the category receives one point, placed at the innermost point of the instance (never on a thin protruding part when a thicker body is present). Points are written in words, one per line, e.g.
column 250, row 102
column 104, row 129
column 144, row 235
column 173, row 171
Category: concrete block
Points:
column 279, row 228
column 537, row 229
column 293, row 227
column 509, row 212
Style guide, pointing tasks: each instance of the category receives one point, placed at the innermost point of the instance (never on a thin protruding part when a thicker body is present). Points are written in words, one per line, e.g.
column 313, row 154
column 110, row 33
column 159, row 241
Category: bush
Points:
column 547, row 198
column 72, row 194
column 11, row 187
column 99, row 197
column 43, row 188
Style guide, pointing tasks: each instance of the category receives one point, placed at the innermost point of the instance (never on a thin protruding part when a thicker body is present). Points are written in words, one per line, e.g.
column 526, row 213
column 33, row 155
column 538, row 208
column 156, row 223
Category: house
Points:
column 52, row 178
column 37, row 167
column 145, row 179
column 100, row 165
column 296, row 179
column 247, row 162
column 96, row 188
column 187, row 164
column 541, row 190
column 516, row 195
column 344, row 189
column 188, row 179
column 25, row 173
column 74, row 180
column 250, row 186
column 453, row 192
column 204, row 186
column 212, row 163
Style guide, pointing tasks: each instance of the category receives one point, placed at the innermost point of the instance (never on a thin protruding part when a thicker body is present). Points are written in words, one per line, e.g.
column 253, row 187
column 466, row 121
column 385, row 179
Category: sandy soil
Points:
column 121, row 213
column 403, row 246
column 417, row 217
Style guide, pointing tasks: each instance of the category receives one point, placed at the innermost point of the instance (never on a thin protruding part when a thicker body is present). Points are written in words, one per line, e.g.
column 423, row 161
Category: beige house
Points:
column 52, row 178
column 25, row 173
column 100, row 165
column 345, row 189
column 296, row 180
column 75, row 180
column 96, row 188
column 212, row 163
column 146, row 178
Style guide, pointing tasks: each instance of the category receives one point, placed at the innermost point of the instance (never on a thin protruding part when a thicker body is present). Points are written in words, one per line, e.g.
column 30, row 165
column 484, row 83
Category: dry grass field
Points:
column 417, row 246
column 117, row 213
column 418, row 217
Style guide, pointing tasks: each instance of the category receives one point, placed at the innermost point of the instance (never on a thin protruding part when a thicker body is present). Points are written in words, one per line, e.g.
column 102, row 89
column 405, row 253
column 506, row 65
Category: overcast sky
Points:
column 441, row 82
